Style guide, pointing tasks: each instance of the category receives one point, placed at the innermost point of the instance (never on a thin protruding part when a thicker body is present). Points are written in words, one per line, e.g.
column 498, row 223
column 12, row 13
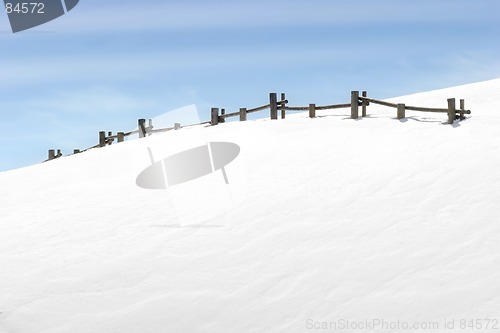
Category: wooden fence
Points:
column 219, row 116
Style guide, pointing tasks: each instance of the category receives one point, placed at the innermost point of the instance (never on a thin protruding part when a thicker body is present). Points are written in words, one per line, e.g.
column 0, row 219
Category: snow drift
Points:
column 324, row 220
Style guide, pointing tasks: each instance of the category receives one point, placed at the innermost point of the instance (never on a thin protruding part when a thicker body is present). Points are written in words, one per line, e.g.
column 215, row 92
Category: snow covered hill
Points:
column 324, row 220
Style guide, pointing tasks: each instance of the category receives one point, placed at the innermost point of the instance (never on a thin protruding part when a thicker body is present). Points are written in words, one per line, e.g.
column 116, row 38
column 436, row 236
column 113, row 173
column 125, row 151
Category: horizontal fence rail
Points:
column 407, row 107
column 220, row 115
column 321, row 107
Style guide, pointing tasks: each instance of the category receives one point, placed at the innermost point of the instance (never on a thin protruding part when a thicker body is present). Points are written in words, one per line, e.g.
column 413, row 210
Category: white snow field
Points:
column 325, row 220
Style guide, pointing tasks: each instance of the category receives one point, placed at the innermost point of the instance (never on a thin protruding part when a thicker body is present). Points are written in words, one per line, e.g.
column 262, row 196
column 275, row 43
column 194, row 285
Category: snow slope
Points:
column 324, row 219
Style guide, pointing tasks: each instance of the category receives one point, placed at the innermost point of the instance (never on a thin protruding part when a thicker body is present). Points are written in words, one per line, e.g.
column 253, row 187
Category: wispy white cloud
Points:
column 80, row 68
column 90, row 101
column 70, row 118
column 103, row 17
column 468, row 66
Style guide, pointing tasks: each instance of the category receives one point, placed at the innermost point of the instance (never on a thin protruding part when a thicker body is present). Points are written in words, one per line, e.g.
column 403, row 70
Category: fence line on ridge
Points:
column 218, row 116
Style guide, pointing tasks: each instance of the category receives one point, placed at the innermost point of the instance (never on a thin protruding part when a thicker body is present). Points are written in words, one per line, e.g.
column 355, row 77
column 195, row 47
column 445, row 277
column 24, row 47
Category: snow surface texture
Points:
column 324, row 219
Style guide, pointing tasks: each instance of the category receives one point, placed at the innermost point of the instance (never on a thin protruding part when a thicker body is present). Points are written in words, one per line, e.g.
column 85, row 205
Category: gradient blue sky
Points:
column 107, row 63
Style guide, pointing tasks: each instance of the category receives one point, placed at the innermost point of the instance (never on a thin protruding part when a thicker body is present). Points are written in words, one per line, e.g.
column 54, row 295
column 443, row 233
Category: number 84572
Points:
column 25, row 8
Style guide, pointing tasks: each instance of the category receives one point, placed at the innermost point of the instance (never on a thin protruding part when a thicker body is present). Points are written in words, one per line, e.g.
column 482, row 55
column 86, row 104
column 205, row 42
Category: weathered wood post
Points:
column 451, row 110
column 273, row 101
column 215, row 116
column 363, row 105
column 120, row 136
column 142, row 127
column 354, row 104
column 102, row 139
column 401, row 111
column 177, row 126
column 59, row 154
column 243, row 114
column 283, row 106
column 312, row 110
column 76, row 151
column 110, row 141
column 462, row 107
column 222, row 112
column 52, row 154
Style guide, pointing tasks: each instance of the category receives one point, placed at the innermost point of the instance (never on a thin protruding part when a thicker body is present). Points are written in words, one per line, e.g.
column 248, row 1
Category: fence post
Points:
column 283, row 106
column 215, row 116
column 177, row 126
column 363, row 105
column 354, row 104
column 59, row 154
column 451, row 110
column 76, row 151
column 110, row 134
column 273, row 101
column 312, row 110
column 142, row 128
column 243, row 114
column 102, row 139
column 222, row 112
column 120, row 136
column 52, row 154
column 462, row 107
column 401, row 111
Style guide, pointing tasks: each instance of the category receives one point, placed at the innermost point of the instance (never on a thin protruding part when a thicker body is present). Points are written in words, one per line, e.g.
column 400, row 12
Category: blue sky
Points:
column 107, row 63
